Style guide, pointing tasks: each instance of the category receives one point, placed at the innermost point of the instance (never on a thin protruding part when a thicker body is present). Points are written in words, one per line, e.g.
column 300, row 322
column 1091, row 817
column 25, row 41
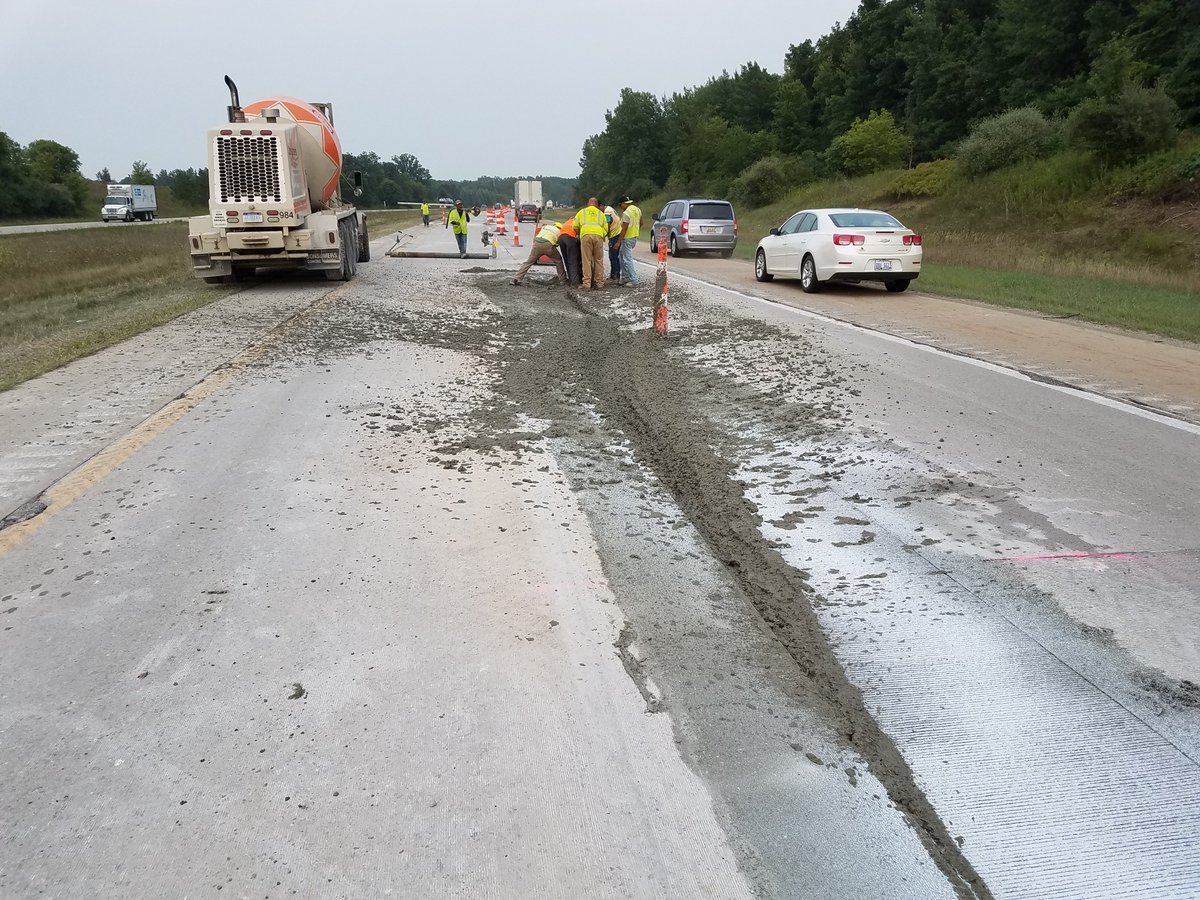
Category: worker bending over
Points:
column 544, row 244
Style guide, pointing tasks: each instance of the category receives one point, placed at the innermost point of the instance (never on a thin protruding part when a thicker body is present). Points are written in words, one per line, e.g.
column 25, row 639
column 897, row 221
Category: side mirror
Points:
column 775, row 231
column 656, row 217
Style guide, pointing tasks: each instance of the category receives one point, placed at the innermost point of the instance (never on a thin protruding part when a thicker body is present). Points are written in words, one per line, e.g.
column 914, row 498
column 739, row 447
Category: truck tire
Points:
column 351, row 247
column 364, row 243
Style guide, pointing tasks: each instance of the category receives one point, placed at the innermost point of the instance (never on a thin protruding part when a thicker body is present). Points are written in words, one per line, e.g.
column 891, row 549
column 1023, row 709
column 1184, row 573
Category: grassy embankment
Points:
column 1047, row 236
column 65, row 294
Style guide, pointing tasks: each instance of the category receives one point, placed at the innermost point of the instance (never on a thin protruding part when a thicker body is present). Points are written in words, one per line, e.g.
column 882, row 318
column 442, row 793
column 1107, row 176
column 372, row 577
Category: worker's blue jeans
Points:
column 628, row 271
column 462, row 242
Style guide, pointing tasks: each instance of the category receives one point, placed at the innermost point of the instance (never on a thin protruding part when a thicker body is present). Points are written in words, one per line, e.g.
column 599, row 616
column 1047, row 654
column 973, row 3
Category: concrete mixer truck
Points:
column 274, row 175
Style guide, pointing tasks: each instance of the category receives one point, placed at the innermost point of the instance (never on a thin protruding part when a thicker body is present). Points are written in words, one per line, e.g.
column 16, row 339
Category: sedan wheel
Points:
column 897, row 286
column 760, row 267
column 808, row 276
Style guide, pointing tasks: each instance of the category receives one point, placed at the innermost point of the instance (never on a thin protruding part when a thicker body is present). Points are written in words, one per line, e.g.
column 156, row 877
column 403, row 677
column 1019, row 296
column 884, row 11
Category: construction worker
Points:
column 457, row 222
column 544, row 244
column 631, row 223
column 425, row 213
column 593, row 228
column 614, row 243
column 568, row 245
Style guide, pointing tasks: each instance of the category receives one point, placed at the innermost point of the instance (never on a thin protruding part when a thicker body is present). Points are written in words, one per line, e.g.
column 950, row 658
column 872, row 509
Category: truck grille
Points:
column 248, row 168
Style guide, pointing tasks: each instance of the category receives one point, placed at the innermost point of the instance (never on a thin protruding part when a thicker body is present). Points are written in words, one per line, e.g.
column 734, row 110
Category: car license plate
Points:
column 708, row 229
column 883, row 265
column 252, row 217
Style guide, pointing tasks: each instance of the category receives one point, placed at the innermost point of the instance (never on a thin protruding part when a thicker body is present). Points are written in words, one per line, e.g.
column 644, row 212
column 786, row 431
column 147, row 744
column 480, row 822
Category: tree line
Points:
column 403, row 179
column 907, row 81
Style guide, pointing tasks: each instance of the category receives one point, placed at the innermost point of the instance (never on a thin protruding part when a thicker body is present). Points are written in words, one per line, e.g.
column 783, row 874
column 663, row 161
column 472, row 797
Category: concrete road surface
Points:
column 428, row 585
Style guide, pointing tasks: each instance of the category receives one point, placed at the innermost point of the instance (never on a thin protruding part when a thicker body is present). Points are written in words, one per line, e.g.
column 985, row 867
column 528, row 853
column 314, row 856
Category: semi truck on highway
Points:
column 274, row 179
column 126, row 202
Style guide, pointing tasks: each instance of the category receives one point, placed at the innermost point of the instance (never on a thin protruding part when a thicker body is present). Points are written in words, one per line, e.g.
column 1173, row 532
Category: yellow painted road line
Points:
column 80, row 480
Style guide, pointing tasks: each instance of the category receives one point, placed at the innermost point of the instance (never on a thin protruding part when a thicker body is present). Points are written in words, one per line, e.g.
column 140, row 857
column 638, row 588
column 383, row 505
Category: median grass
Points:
column 66, row 294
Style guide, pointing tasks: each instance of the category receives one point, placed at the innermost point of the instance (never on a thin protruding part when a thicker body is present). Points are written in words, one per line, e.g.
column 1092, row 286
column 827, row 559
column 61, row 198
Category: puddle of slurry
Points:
column 640, row 387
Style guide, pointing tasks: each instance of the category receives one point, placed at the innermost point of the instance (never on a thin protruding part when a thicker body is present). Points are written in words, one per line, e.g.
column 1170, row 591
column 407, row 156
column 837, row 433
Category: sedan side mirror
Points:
column 775, row 231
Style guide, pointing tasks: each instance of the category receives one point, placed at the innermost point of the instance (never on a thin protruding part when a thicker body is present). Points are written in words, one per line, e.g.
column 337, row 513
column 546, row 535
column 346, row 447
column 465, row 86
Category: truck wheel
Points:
column 364, row 244
column 214, row 279
column 352, row 249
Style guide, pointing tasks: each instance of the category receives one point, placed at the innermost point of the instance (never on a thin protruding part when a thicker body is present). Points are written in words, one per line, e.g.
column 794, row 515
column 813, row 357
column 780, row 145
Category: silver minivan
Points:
column 687, row 226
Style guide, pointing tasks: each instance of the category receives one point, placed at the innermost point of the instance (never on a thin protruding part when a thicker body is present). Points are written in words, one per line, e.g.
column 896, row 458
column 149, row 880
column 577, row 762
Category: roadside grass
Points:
column 381, row 221
column 1123, row 304
column 66, row 294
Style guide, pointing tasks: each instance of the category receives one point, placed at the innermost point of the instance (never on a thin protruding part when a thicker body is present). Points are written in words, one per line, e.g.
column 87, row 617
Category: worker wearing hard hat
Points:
column 457, row 222
column 631, row 222
column 593, row 228
column 545, row 243
column 614, row 243
column 568, row 245
column 425, row 213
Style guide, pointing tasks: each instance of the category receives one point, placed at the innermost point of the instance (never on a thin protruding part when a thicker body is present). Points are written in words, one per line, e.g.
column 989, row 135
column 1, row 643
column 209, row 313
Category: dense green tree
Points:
column 140, row 173
column 870, row 144
column 49, row 162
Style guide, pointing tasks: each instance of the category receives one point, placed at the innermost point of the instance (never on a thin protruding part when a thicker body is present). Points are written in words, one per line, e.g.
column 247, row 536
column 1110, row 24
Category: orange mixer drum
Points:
column 320, row 149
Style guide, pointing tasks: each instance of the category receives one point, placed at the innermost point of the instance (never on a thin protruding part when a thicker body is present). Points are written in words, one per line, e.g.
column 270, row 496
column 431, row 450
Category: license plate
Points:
column 708, row 229
column 252, row 217
column 883, row 265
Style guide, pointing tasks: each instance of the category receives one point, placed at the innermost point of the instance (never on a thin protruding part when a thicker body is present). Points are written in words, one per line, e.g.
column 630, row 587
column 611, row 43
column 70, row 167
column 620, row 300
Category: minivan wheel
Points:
column 672, row 247
column 808, row 276
column 895, row 287
column 760, row 267
column 726, row 254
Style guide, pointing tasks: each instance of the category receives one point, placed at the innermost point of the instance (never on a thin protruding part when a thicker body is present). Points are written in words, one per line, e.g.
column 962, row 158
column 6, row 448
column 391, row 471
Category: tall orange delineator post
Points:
column 516, row 228
column 660, row 305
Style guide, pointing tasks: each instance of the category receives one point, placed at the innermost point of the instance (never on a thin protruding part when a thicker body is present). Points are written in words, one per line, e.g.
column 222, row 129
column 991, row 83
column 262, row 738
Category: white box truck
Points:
column 526, row 191
column 126, row 202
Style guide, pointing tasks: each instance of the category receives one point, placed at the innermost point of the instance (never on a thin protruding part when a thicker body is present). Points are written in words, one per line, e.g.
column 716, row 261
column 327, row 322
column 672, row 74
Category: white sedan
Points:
column 819, row 245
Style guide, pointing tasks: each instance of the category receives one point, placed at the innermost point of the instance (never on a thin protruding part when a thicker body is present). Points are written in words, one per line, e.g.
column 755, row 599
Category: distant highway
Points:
column 67, row 226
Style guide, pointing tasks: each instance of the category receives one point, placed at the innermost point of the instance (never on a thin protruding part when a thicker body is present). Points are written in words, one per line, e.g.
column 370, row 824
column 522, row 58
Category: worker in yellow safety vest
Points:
column 457, row 222
column 593, row 228
column 614, row 243
column 631, row 224
column 425, row 213
column 545, row 243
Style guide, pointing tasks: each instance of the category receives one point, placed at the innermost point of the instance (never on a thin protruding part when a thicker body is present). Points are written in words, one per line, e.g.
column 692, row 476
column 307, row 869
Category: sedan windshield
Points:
column 860, row 219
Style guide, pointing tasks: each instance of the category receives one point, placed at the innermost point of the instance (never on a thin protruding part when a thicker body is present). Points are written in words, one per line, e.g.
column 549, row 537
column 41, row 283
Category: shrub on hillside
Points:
column 870, row 144
column 770, row 179
column 1008, row 138
column 1128, row 125
column 1167, row 176
column 926, row 180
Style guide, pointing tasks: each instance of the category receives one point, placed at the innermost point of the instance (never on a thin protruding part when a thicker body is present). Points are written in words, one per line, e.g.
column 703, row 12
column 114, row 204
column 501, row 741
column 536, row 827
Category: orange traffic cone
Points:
column 516, row 229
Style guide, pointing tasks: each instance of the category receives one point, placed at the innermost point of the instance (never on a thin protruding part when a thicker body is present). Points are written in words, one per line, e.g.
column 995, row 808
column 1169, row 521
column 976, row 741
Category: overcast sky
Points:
column 461, row 85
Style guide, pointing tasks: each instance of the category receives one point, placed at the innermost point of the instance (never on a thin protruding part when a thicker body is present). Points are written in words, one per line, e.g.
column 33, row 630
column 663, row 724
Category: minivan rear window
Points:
column 864, row 220
column 711, row 211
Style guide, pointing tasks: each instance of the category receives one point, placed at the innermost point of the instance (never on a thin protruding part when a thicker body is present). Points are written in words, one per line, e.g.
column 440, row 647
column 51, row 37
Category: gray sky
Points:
column 450, row 82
